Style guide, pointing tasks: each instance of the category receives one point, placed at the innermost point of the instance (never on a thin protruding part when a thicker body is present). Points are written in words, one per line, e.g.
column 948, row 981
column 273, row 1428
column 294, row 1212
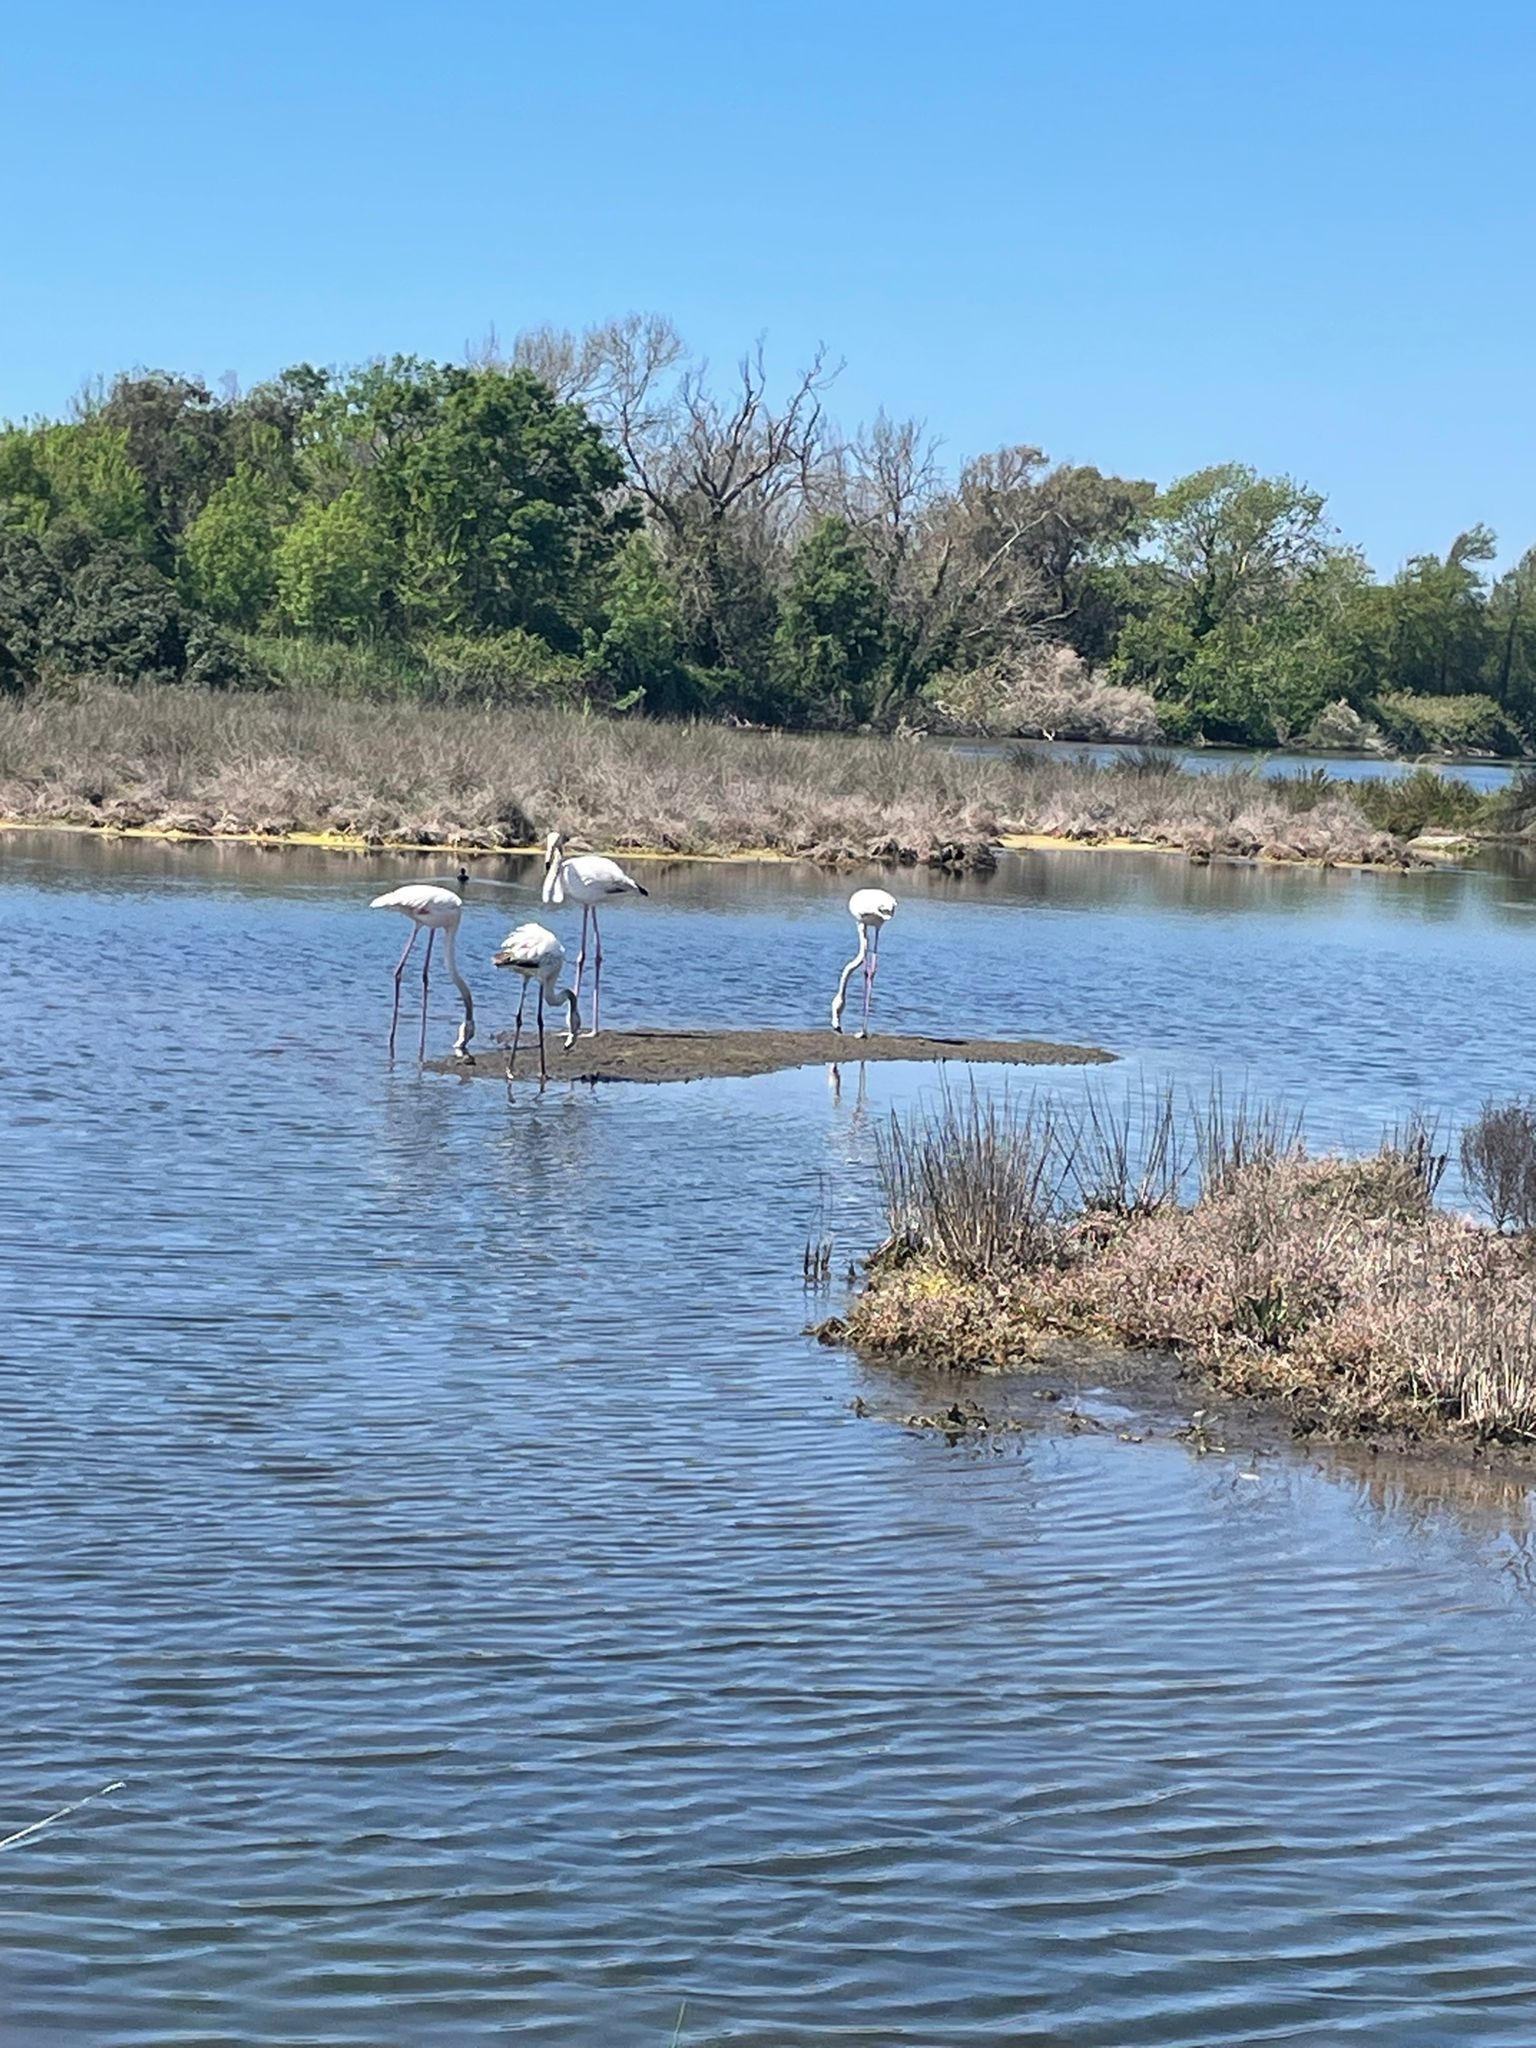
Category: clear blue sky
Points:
column 1148, row 236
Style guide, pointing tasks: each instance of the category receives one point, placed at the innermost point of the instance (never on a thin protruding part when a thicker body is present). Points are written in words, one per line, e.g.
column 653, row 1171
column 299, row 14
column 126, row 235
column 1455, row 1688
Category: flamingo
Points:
column 588, row 879
column 431, row 910
column 536, row 954
column 873, row 909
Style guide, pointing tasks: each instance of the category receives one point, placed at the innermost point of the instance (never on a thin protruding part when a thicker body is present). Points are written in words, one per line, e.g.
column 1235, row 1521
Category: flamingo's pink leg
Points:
column 871, row 965
column 581, row 954
column 399, row 970
column 517, row 1031
column 597, row 975
column 426, row 963
column 543, row 1065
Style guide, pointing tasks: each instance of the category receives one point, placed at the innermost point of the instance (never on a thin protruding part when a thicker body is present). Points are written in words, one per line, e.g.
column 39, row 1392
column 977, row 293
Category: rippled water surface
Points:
column 427, row 1503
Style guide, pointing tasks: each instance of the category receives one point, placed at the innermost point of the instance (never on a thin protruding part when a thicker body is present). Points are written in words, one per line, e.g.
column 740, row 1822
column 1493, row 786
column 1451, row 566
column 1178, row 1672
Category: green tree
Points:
column 1231, row 606
column 506, row 506
column 830, row 646
column 80, row 470
column 335, row 569
column 230, row 550
column 1512, row 636
column 1091, row 525
column 640, row 650
column 177, row 435
column 1439, row 643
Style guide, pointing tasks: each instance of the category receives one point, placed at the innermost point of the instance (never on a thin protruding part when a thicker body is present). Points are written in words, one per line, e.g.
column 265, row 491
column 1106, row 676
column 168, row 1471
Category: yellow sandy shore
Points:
column 1054, row 842
column 346, row 842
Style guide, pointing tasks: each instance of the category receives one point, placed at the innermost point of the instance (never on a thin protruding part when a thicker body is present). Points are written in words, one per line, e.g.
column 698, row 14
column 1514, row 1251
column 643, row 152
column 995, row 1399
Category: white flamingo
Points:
column 873, row 909
column 537, row 955
column 431, row 910
column 588, row 879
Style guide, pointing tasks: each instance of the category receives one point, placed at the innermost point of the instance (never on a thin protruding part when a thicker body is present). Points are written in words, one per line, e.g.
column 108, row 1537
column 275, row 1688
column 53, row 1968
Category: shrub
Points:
column 1411, row 804
column 1339, row 725
column 515, row 667
column 1446, row 725
column 334, row 569
column 1045, row 693
column 1498, row 1161
column 978, row 1183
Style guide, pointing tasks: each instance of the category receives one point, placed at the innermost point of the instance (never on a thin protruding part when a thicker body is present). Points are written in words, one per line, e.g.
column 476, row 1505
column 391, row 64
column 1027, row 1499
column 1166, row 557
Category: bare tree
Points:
column 890, row 478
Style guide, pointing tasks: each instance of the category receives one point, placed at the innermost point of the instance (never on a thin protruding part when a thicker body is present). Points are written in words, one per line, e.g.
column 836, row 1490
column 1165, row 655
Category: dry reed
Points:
column 481, row 776
column 1334, row 1284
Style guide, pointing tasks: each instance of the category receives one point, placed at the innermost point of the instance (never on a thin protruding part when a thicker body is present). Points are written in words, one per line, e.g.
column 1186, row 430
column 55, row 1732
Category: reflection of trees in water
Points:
column 1484, row 1503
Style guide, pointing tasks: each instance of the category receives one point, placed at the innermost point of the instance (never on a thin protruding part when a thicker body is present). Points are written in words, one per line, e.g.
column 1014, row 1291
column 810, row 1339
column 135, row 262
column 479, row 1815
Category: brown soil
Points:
column 720, row 1055
column 1143, row 1396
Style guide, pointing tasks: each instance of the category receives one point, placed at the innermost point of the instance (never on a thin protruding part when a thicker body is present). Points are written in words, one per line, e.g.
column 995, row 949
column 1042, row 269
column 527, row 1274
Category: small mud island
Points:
column 725, row 1055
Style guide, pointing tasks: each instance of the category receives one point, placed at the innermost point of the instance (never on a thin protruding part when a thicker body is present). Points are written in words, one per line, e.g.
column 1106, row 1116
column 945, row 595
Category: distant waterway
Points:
column 1482, row 774
column 425, row 1499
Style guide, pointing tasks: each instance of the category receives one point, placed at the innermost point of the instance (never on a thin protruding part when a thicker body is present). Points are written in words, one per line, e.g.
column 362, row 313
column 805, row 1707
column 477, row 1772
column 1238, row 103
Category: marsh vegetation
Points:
column 1334, row 1284
column 483, row 776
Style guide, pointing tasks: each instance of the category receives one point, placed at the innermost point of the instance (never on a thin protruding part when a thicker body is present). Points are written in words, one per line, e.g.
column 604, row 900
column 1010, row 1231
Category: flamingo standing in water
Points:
column 431, row 910
column 588, row 879
column 537, row 955
column 873, row 909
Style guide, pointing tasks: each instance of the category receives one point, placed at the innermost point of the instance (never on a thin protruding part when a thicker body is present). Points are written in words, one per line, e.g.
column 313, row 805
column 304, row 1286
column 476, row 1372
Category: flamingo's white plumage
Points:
column 431, row 910
column 537, row 955
column 589, row 879
column 873, row 910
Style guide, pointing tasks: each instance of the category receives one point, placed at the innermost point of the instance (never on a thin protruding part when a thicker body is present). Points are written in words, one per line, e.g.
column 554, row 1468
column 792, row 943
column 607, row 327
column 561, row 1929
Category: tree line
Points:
column 596, row 519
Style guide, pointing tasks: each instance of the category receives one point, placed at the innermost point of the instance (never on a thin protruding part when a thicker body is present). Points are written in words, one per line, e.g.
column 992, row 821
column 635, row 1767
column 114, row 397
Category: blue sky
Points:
column 1145, row 236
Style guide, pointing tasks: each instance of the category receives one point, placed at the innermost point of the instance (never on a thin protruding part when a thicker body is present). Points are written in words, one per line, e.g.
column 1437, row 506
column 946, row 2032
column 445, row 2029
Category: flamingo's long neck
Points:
column 848, row 973
column 467, row 1028
column 568, row 997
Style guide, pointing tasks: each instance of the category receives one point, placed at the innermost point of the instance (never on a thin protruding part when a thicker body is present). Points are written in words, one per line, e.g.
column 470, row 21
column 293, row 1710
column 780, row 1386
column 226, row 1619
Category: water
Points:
column 428, row 1505
column 1483, row 775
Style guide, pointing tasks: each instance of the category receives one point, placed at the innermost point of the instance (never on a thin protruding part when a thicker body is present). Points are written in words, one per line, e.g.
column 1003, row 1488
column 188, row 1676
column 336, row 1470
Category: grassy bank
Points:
column 296, row 761
column 1333, row 1285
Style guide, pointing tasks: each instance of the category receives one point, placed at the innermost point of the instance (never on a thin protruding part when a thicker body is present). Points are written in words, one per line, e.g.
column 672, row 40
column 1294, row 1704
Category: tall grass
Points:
column 980, row 1185
column 309, row 759
column 1334, row 1283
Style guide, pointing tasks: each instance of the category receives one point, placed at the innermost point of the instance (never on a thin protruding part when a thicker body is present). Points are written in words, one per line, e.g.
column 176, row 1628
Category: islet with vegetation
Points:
column 1336, row 1287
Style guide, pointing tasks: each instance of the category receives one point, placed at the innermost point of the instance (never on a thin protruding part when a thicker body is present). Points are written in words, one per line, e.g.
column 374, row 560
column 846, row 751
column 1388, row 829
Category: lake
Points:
column 426, row 1500
column 1481, row 773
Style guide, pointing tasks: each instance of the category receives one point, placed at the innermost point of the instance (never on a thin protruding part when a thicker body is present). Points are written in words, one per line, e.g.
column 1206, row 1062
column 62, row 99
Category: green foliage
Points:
column 830, row 647
column 338, row 668
column 1228, row 543
column 503, row 501
column 441, row 529
column 229, row 553
column 80, row 472
column 32, row 598
column 1446, row 725
column 1438, row 634
column 511, row 667
column 177, row 436
column 1513, row 809
column 639, row 654
column 71, row 605
column 1511, row 631
column 1420, row 802
column 335, row 569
